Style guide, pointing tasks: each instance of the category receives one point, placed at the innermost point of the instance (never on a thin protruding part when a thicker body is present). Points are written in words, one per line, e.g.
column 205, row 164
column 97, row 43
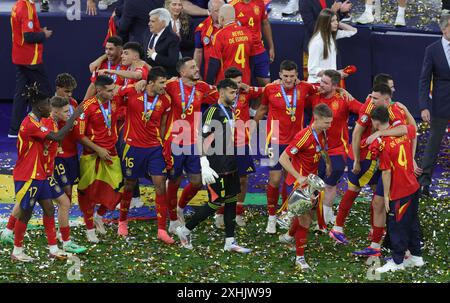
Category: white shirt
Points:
column 316, row 63
column 177, row 25
column 446, row 46
column 154, row 44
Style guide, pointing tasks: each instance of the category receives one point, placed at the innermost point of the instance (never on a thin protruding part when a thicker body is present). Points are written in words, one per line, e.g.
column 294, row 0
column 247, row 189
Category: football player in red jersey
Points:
column 252, row 14
column 30, row 173
column 401, row 196
column 143, row 133
column 362, row 167
column 242, row 140
column 337, row 135
column 300, row 159
column 100, row 170
column 204, row 34
column 112, row 59
column 284, row 104
column 233, row 45
column 180, row 147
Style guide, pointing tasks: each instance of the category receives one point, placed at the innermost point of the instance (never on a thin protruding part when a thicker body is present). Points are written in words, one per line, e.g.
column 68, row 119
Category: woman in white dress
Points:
column 322, row 46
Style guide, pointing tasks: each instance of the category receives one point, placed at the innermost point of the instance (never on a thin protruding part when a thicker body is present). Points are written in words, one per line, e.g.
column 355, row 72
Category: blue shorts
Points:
column 277, row 154
column 380, row 188
column 338, row 166
column 67, row 171
column 245, row 162
column 369, row 173
column 140, row 162
column 261, row 64
column 188, row 160
column 32, row 191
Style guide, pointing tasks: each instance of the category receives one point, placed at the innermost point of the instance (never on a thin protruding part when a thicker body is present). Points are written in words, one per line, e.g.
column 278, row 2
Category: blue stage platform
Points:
column 374, row 49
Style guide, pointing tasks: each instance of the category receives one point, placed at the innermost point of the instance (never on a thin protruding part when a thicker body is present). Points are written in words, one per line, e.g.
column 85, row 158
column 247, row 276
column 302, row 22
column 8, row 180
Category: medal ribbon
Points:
column 183, row 97
column 106, row 113
column 149, row 110
column 291, row 108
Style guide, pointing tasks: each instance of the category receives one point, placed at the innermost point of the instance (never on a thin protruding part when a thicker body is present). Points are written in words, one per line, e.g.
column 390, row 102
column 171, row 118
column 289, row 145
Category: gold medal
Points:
column 147, row 116
column 293, row 118
column 183, row 116
column 45, row 152
column 60, row 150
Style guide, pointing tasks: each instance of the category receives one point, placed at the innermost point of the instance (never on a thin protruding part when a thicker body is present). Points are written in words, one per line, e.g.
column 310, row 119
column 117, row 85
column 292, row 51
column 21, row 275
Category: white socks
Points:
column 338, row 229
column 401, row 11
column 369, row 8
column 229, row 241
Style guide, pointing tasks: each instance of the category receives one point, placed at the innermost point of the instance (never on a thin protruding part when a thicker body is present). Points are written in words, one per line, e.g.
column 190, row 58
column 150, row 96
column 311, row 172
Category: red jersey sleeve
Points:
column 265, row 96
column 144, row 72
column 411, row 131
column 385, row 159
column 210, row 94
column 354, row 106
column 126, row 90
column 255, row 92
column 26, row 19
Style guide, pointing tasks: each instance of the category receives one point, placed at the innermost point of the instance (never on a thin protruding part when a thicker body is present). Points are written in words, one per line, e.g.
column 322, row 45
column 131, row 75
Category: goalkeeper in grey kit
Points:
column 219, row 168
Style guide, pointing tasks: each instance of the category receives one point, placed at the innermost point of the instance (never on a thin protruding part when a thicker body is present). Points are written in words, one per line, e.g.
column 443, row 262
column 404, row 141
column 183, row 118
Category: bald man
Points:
column 232, row 46
column 204, row 33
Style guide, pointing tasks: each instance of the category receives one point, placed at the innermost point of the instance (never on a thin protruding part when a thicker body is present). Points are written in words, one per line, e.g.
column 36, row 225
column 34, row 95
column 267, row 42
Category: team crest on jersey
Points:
column 206, row 40
column 256, row 10
column 294, row 150
column 364, row 118
column 30, row 24
column 335, row 105
column 43, row 129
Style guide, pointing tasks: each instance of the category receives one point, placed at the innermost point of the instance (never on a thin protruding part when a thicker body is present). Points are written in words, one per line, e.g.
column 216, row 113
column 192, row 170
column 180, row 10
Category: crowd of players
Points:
column 137, row 122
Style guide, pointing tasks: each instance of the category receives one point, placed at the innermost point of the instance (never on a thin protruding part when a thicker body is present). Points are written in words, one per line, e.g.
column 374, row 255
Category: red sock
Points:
column 188, row 193
column 11, row 222
column 19, row 232
column 284, row 194
column 89, row 219
column 161, row 211
column 50, row 230
column 294, row 226
column 220, row 210
column 101, row 211
column 272, row 199
column 125, row 205
column 239, row 209
column 300, row 240
column 377, row 234
column 65, row 233
column 345, row 206
column 171, row 200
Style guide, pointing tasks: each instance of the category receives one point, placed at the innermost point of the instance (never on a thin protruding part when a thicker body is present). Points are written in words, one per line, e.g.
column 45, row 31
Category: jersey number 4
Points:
column 239, row 58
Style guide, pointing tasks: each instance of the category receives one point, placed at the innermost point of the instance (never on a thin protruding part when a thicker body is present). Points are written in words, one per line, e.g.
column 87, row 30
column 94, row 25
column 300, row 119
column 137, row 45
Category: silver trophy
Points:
column 302, row 200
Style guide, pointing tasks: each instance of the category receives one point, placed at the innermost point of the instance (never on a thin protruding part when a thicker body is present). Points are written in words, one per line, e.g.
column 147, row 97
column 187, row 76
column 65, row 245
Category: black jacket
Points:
column 187, row 41
column 133, row 21
column 167, row 48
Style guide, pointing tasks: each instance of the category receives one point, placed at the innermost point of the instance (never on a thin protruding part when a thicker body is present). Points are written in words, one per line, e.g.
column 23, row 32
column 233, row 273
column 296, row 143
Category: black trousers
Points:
column 437, row 131
column 26, row 75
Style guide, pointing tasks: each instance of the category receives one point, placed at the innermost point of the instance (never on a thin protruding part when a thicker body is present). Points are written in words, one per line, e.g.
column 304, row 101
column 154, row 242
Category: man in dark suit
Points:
column 132, row 19
column 436, row 68
column 162, row 45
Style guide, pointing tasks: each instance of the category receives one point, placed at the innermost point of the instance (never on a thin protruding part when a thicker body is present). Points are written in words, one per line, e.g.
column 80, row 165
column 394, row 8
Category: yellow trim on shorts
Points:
column 21, row 193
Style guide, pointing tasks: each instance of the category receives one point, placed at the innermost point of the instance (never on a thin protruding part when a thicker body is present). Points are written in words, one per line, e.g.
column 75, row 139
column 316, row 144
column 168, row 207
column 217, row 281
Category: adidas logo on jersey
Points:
column 249, row 169
column 241, row 15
